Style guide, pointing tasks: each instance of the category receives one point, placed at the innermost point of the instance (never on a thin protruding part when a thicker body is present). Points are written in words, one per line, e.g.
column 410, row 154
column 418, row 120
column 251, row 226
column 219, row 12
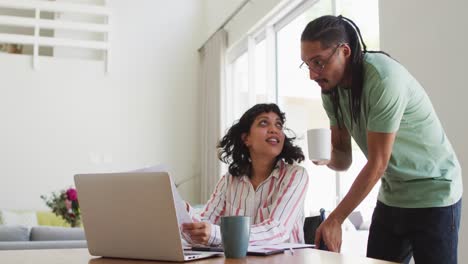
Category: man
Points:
column 374, row 99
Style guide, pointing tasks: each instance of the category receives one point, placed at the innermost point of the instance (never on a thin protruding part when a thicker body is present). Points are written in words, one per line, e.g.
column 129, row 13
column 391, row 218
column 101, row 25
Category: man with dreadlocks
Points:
column 371, row 97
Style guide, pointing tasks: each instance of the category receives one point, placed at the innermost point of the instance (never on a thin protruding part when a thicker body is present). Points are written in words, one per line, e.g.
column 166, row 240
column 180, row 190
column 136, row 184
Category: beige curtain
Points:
column 212, row 83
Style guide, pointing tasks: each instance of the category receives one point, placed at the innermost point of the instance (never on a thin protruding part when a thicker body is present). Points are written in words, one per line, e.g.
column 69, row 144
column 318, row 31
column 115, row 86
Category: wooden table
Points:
column 81, row 256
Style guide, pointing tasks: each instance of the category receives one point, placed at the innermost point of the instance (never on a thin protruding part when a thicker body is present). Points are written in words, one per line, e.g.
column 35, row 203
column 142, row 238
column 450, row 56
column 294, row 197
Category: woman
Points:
column 263, row 182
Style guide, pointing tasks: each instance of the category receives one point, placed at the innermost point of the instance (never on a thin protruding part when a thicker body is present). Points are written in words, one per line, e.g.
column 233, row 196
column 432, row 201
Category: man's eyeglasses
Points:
column 317, row 65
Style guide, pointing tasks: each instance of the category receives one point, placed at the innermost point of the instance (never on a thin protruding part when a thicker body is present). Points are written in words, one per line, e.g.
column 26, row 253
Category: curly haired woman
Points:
column 263, row 182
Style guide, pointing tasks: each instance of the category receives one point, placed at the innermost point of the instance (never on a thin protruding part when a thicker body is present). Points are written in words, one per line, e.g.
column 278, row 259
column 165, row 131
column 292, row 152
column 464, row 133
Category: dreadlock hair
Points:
column 335, row 30
column 232, row 150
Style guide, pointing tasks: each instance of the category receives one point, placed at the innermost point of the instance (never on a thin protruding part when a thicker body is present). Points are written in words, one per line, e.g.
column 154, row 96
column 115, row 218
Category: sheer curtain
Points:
column 212, row 84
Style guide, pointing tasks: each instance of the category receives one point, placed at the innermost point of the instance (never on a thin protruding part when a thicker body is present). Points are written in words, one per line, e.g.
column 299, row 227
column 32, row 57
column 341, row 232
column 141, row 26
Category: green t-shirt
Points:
column 423, row 170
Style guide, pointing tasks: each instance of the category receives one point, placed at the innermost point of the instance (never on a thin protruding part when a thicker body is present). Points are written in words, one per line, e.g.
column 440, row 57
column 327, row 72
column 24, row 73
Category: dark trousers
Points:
column 428, row 234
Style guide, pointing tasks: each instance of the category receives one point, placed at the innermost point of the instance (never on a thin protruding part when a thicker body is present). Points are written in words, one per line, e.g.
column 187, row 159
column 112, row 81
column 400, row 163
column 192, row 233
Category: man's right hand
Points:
column 330, row 232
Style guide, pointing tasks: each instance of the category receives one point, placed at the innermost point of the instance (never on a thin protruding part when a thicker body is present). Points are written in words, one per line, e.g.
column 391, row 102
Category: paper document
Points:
column 281, row 246
column 182, row 215
column 264, row 250
column 181, row 208
column 156, row 168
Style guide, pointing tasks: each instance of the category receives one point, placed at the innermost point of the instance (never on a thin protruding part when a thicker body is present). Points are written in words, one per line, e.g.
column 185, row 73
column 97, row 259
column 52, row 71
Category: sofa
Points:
column 37, row 230
column 16, row 237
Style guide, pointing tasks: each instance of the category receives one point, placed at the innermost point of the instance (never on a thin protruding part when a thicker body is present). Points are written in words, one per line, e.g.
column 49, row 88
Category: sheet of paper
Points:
column 181, row 208
column 182, row 215
column 259, row 250
column 156, row 168
column 281, row 246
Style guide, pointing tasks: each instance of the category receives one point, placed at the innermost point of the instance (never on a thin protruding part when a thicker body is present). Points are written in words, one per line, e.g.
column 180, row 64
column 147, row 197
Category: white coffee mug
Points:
column 319, row 144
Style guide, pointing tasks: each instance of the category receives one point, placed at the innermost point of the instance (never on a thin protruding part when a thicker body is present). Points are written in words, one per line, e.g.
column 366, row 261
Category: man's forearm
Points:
column 361, row 187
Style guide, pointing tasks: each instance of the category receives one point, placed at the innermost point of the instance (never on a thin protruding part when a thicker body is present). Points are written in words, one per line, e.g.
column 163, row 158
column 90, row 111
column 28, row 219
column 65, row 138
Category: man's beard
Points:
column 327, row 92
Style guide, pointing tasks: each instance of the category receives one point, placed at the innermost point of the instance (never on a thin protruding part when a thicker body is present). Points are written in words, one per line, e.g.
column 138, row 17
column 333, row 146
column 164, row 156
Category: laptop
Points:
column 131, row 215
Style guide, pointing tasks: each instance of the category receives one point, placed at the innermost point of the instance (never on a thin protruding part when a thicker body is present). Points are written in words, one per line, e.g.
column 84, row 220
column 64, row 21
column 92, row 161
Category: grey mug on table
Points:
column 235, row 233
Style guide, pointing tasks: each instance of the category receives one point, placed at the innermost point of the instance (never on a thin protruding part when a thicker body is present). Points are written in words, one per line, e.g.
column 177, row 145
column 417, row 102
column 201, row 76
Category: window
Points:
column 239, row 89
column 368, row 23
column 297, row 95
column 300, row 99
column 55, row 29
column 260, row 72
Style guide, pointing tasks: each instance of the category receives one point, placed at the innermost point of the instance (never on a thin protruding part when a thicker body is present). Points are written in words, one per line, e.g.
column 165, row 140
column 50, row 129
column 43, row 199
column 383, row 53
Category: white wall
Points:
column 70, row 117
column 429, row 37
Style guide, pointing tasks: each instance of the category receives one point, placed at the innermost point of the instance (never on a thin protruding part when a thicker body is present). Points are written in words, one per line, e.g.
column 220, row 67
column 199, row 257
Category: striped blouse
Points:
column 276, row 208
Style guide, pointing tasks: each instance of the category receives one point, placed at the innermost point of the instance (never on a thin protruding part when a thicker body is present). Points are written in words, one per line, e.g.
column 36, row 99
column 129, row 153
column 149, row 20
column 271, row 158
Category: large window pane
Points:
column 299, row 98
column 260, row 72
column 365, row 13
column 239, row 86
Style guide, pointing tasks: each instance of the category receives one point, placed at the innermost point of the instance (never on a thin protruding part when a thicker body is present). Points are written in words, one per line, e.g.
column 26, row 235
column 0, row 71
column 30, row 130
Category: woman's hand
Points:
column 330, row 232
column 199, row 233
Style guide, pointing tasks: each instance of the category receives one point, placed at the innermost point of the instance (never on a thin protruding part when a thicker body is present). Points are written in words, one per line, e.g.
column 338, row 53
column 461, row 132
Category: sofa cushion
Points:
column 12, row 217
column 52, row 233
column 47, row 218
column 14, row 233
column 356, row 218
